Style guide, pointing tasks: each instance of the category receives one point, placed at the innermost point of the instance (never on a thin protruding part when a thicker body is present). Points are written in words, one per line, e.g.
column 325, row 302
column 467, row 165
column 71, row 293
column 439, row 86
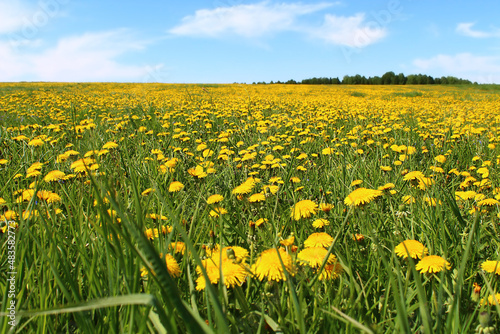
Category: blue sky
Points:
column 225, row 41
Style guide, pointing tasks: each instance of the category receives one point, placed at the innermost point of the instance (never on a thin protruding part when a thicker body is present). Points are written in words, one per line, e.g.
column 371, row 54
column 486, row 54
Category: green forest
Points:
column 389, row 78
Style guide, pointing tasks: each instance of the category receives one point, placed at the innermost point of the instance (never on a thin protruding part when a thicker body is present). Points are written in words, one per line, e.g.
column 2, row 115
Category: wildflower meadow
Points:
column 168, row 208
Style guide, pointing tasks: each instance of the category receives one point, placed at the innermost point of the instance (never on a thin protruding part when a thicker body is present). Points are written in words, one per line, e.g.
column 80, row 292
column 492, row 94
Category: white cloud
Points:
column 483, row 69
column 87, row 57
column 13, row 15
column 245, row 20
column 25, row 18
column 465, row 28
column 352, row 31
column 261, row 19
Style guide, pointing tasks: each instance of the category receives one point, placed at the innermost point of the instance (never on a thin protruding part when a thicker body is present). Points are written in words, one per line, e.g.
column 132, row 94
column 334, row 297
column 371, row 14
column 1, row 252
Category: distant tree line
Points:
column 389, row 78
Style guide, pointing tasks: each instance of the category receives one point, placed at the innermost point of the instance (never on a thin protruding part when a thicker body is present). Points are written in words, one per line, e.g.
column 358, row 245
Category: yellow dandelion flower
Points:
column 491, row 267
column 303, row 209
column 216, row 212
column 328, row 151
column 275, row 179
column 62, row 158
column 479, row 197
column 20, row 138
column 258, row 197
column 152, row 233
column 408, row 199
column 387, row 186
column 362, row 196
column 236, row 253
column 171, row 163
column 425, row 182
column 215, row 199
column 259, row 222
column 465, row 195
column 172, row 266
column 273, row 189
column 330, row 271
column 49, row 196
column 33, row 174
column 147, row 192
column 6, row 225
column 72, row 153
column 488, row 202
column 440, row 158
column 102, row 152
column 9, row 215
column 36, row 142
column 411, row 150
column 26, row 195
column 268, row 265
column 492, row 300
column 166, row 229
column 411, row 248
column 415, row 175
column 325, row 207
column 201, row 147
column 233, row 274
column 319, row 239
column 154, row 216
column 301, row 156
column 110, row 145
column 483, row 171
column 437, row 169
column 175, row 186
column 178, row 247
column 35, row 166
column 432, row 264
column 288, row 241
column 358, row 237
column 431, row 201
column 162, row 169
column 81, row 165
column 54, row 176
column 245, row 187
column 314, row 257
column 356, row 183
column 320, row 223
column 197, row 172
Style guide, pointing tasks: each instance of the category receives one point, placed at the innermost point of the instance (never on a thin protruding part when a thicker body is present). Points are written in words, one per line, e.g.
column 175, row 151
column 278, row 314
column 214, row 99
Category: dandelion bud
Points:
column 346, row 292
column 230, row 254
column 484, row 319
column 358, row 237
column 268, row 288
column 475, row 292
column 251, row 233
column 212, row 239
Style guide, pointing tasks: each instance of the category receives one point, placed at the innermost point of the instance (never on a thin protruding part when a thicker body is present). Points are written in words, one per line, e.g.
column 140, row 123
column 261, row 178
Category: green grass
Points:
column 358, row 94
column 408, row 94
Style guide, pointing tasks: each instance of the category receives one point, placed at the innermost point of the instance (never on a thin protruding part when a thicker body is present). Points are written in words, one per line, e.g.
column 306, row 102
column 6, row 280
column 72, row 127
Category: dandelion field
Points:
column 161, row 208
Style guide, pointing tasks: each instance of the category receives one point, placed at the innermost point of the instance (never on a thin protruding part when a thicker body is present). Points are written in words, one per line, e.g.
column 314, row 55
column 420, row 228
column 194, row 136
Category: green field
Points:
column 133, row 208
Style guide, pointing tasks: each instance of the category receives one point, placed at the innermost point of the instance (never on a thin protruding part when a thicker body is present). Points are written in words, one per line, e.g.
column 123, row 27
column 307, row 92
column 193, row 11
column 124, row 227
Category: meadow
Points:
column 155, row 208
